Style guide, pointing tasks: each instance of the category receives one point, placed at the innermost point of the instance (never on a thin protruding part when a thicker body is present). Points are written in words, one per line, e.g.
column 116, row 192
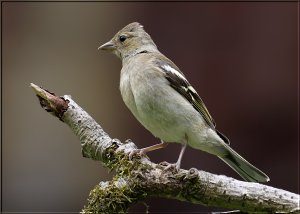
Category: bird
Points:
column 160, row 97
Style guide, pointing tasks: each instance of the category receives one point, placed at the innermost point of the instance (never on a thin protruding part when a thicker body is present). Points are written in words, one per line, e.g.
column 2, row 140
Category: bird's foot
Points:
column 139, row 152
column 168, row 166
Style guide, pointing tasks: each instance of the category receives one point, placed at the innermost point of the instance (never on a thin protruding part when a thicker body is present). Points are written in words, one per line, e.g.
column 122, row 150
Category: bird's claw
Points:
column 168, row 166
column 140, row 152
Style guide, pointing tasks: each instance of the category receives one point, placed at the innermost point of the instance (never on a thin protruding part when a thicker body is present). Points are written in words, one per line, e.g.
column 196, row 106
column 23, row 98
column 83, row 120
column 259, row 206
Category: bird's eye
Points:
column 122, row 38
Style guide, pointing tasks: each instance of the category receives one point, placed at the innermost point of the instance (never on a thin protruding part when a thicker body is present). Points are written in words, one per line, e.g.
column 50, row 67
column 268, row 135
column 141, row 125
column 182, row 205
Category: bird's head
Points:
column 129, row 41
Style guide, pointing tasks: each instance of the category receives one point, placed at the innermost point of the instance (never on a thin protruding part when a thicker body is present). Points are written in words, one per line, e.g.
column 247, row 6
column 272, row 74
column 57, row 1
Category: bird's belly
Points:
column 167, row 116
column 162, row 124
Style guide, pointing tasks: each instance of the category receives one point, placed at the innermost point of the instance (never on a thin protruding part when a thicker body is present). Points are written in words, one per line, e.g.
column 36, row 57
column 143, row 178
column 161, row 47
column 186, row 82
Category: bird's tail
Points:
column 243, row 167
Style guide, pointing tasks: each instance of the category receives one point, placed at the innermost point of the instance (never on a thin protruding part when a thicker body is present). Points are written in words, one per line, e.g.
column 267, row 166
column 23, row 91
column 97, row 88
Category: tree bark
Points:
column 139, row 178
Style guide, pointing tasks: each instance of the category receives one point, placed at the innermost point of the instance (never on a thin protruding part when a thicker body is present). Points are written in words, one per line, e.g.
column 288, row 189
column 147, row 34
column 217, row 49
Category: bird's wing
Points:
column 178, row 81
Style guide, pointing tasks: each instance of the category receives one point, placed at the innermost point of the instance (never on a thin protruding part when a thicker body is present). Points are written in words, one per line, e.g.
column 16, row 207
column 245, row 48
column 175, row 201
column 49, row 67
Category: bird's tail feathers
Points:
column 243, row 167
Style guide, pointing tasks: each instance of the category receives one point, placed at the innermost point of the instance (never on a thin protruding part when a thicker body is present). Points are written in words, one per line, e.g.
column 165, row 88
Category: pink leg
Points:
column 148, row 149
column 178, row 163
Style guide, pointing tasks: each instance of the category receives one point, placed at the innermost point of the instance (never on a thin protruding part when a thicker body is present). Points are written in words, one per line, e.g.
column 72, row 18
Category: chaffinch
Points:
column 164, row 102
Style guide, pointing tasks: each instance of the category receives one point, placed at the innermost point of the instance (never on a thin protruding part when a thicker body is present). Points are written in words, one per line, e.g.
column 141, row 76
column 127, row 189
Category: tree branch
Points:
column 139, row 178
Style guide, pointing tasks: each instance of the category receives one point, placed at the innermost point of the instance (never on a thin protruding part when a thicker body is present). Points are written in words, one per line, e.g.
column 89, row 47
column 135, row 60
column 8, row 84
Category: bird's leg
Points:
column 178, row 162
column 148, row 149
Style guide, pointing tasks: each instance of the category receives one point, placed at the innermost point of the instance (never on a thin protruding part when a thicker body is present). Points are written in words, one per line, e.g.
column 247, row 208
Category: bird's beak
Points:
column 108, row 46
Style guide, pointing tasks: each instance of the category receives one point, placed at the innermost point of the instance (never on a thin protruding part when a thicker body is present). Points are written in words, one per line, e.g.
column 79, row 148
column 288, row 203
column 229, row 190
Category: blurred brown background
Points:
column 240, row 57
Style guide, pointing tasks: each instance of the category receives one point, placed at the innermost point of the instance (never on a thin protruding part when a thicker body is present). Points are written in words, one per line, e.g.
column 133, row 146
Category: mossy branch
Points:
column 140, row 178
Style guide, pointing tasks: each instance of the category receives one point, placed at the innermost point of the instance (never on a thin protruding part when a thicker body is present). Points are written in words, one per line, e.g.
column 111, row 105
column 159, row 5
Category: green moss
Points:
column 106, row 200
column 113, row 199
column 116, row 198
